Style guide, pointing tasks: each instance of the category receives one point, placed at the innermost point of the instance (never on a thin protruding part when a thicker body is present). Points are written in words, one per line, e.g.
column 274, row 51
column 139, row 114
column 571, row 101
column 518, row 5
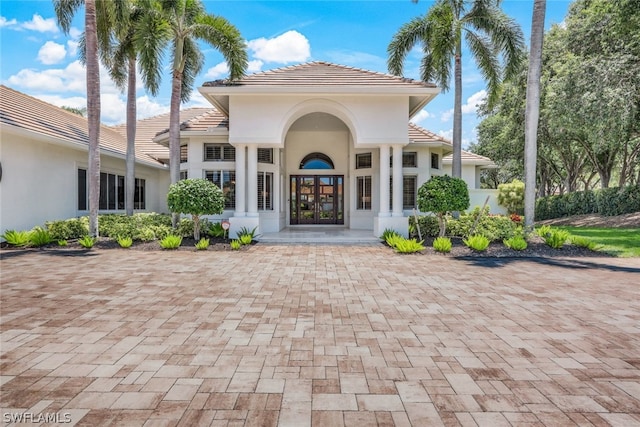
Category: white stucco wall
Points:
column 39, row 181
column 266, row 119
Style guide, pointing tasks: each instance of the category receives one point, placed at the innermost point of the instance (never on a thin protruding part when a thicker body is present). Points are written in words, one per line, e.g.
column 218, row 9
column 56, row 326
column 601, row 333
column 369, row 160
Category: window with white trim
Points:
column 226, row 181
column 363, row 161
column 363, row 201
column 435, row 161
column 265, row 191
column 184, row 157
column 265, row 155
column 184, row 175
column 409, row 191
column 219, row 153
column 409, row 159
column 112, row 192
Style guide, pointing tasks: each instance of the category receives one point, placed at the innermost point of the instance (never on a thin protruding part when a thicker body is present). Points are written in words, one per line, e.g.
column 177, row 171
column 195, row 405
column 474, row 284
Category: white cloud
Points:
column 446, row 134
column 73, row 47
column 421, row 116
column 51, row 53
column 197, row 100
column 254, row 66
column 217, row 71
column 75, row 33
column 470, row 107
column 285, row 48
column 5, row 23
column 358, row 59
column 38, row 23
column 148, row 108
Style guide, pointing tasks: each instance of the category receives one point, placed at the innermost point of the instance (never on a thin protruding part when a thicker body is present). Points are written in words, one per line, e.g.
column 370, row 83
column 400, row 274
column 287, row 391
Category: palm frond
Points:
column 222, row 35
column 193, row 62
column 484, row 53
column 151, row 39
column 410, row 34
column 65, row 10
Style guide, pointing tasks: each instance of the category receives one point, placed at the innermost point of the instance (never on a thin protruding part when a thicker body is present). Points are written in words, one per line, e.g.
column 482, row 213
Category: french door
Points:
column 317, row 199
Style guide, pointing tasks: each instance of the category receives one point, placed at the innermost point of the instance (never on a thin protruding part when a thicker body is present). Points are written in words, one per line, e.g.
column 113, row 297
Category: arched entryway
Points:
column 317, row 151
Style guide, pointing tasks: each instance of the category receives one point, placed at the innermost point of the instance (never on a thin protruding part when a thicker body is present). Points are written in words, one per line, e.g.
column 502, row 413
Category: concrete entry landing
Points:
column 334, row 235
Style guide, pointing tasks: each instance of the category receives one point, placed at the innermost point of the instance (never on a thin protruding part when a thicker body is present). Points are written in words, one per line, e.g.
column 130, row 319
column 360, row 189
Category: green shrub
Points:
column 245, row 239
column 16, row 238
column 543, row 231
column 171, row 242
column 386, row 233
column 40, row 237
column 477, row 242
column 62, row 243
column 393, row 239
column 244, row 231
column 408, row 246
column 556, row 238
column 428, row 226
column 185, row 228
column 442, row 244
column 493, row 227
column 517, row 243
column 606, row 202
column 442, row 194
column 235, row 244
column 511, row 196
column 87, row 241
column 196, row 197
column 583, row 242
column 72, row 228
column 216, row 230
column 125, row 242
column 202, row 244
column 145, row 234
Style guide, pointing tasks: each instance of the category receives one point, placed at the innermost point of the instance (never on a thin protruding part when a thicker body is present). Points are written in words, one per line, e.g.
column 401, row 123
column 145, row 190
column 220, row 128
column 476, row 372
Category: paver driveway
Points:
column 318, row 335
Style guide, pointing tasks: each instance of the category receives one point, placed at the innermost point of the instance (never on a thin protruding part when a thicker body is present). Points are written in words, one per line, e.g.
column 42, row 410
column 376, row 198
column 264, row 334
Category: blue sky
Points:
column 37, row 59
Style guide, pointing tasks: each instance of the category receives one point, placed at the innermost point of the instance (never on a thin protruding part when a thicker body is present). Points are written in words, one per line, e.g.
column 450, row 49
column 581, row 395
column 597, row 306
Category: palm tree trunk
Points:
column 130, row 175
column 93, row 114
column 174, row 133
column 532, row 113
column 456, row 168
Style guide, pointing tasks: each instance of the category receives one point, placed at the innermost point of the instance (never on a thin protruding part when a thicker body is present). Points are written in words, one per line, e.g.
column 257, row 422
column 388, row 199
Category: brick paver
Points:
column 314, row 335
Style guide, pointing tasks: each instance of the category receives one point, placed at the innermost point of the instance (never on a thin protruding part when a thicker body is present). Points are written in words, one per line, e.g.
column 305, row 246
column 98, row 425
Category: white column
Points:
column 397, row 180
column 252, row 180
column 384, row 180
column 241, row 178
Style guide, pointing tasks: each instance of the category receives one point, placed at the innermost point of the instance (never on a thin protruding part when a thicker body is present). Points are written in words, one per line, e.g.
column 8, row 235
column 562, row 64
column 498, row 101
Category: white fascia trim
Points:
column 314, row 90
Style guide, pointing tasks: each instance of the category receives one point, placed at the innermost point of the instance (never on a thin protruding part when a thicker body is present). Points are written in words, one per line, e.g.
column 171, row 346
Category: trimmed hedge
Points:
column 606, row 202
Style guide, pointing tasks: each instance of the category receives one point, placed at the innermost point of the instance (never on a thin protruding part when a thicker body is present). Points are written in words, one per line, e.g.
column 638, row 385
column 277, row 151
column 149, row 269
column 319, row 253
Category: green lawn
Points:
column 622, row 242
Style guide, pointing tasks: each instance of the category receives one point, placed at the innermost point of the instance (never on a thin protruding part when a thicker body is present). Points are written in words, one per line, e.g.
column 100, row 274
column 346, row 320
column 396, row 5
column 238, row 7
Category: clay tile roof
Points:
column 320, row 73
column 198, row 119
column 469, row 157
column 35, row 115
column 420, row 134
column 149, row 128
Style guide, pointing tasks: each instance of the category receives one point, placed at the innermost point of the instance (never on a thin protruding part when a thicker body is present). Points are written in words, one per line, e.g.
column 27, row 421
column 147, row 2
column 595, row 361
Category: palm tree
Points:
column 122, row 69
column 94, row 23
column 489, row 34
column 179, row 25
column 532, row 112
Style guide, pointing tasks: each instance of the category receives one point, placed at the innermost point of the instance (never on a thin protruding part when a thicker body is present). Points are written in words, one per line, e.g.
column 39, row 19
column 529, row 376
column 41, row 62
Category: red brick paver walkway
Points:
column 318, row 335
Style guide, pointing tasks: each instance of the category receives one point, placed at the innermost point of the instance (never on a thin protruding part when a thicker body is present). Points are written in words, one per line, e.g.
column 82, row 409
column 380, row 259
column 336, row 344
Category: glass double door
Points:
column 317, row 199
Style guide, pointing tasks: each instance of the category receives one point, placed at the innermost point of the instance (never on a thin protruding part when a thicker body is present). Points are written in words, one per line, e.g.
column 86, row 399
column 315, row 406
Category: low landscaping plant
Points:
column 556, row 238
column 517, row 243
column 62, row 242
column 73, row 228
column 245, row 239
column 235, row 244
column 16, row 238
column 87, row 241
column 386, row 233
column 583, row 242
column 40, row 237
column 428, row 226
column 442, row 244
column 493, row 227
column 171, row 242
column 216, row 230
column 202, row 244
column 125, row 242
column 393, row 239
column 145, row 234
column 196, row 197
column 408, row 246
column 477, row 242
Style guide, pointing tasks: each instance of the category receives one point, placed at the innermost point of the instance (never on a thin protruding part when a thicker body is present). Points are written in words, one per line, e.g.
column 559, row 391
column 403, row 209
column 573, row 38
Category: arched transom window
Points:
column 316, row 161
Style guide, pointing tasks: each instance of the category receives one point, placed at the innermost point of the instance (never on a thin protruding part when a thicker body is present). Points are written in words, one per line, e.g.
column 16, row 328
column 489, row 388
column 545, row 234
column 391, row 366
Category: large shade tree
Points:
column 99, row 16
column 178, row 25
column 490, row 36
